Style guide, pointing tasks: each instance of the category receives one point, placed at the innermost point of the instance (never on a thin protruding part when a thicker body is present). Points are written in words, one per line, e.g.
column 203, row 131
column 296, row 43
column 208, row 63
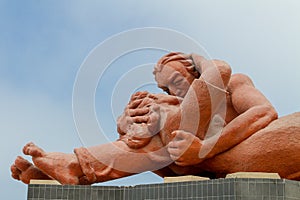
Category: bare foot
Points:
column 33, row 150
column 24, row 171
column 62, row 167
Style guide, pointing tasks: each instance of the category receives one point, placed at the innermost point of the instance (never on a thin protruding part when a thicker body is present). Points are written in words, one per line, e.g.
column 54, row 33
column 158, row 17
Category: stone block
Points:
column 44, row 182
column 184, row 179
column 253, row 175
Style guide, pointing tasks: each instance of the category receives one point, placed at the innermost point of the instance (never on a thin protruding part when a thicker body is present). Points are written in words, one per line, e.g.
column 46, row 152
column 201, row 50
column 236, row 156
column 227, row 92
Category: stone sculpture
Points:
column 210, row 123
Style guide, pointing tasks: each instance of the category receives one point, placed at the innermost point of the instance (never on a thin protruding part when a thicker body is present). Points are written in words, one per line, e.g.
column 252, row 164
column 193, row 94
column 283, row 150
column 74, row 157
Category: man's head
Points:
column 175, row 72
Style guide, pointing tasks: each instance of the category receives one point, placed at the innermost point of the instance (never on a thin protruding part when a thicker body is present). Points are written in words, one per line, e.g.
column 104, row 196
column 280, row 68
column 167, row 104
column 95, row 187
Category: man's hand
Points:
column 140, row 117
column 184, row 148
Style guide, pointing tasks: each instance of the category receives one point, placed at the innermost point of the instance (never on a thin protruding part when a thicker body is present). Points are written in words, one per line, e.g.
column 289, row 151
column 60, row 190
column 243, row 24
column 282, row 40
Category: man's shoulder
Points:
column 240, row 80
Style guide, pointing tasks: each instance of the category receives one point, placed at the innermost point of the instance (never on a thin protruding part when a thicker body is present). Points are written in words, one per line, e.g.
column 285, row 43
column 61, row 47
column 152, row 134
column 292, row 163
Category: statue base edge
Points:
column 228, row 188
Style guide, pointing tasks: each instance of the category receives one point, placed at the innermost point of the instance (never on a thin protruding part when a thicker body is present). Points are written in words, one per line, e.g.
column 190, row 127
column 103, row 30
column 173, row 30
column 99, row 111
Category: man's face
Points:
column 174, row 79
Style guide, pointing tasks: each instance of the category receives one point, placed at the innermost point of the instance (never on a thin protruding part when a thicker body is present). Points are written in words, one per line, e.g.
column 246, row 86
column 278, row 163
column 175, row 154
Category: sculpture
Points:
column 211, row 123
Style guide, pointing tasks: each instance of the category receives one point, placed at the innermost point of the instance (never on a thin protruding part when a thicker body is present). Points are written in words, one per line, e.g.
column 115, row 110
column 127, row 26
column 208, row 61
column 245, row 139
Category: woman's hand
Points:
column 141, row 117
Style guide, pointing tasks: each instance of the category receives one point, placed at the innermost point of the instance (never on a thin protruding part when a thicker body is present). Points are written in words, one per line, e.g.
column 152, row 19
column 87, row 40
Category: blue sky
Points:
column 43, row 44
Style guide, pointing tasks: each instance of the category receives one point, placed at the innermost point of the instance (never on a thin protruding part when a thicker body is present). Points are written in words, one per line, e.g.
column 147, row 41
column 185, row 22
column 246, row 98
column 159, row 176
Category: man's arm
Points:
column 255, row 112
column 205, row 99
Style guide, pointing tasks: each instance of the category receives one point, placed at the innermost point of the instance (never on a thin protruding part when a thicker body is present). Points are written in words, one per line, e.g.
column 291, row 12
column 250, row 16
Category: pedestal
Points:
column 226, row 189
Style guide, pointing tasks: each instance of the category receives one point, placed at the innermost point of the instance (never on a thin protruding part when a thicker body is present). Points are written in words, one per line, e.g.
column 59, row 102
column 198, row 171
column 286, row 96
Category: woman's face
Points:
column 174, row 79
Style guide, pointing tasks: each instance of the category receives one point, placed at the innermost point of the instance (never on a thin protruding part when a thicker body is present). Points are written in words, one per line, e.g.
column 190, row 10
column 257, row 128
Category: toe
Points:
column 32, row 150
column 22, row 164
column 26, row 148
column 15, row 172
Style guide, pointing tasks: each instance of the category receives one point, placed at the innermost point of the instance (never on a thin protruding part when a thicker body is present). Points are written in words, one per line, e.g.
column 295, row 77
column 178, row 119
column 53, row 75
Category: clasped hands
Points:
column 143, row 112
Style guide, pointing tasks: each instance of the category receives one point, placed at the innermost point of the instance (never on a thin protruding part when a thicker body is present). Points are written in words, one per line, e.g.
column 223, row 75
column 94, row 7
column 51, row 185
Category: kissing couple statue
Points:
column 209, row 123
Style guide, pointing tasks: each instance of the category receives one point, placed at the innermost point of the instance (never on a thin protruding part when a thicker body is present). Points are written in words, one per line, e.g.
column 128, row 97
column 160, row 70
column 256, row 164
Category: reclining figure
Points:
column 210, row 123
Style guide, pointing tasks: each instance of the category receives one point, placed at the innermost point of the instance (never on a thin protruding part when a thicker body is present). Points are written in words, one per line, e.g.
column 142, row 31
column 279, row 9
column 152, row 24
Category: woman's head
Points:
column 175, row 72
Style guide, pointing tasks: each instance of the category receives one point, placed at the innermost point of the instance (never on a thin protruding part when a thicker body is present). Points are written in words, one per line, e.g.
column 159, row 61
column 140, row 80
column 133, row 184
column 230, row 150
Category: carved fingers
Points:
column 141, row 113
column 184, row 148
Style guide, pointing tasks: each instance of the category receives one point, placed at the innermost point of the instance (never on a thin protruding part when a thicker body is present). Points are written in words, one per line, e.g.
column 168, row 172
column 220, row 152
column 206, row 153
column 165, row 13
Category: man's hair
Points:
column 185, row 59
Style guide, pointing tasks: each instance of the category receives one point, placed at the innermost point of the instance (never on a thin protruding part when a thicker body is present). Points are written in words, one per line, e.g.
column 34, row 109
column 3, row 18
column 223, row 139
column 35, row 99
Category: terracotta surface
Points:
column 210, row 123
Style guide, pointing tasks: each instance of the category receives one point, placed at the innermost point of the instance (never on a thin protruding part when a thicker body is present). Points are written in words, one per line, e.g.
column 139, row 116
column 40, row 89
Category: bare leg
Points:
column 116, row 160
column 24, row 171
column 60, row 166
column 96, row 164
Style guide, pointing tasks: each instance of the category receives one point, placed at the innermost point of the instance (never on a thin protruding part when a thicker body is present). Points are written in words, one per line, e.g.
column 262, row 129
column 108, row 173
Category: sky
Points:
column 43, row 45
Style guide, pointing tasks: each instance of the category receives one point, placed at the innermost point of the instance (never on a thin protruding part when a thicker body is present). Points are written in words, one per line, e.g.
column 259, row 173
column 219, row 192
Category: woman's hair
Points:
column 185, row 59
